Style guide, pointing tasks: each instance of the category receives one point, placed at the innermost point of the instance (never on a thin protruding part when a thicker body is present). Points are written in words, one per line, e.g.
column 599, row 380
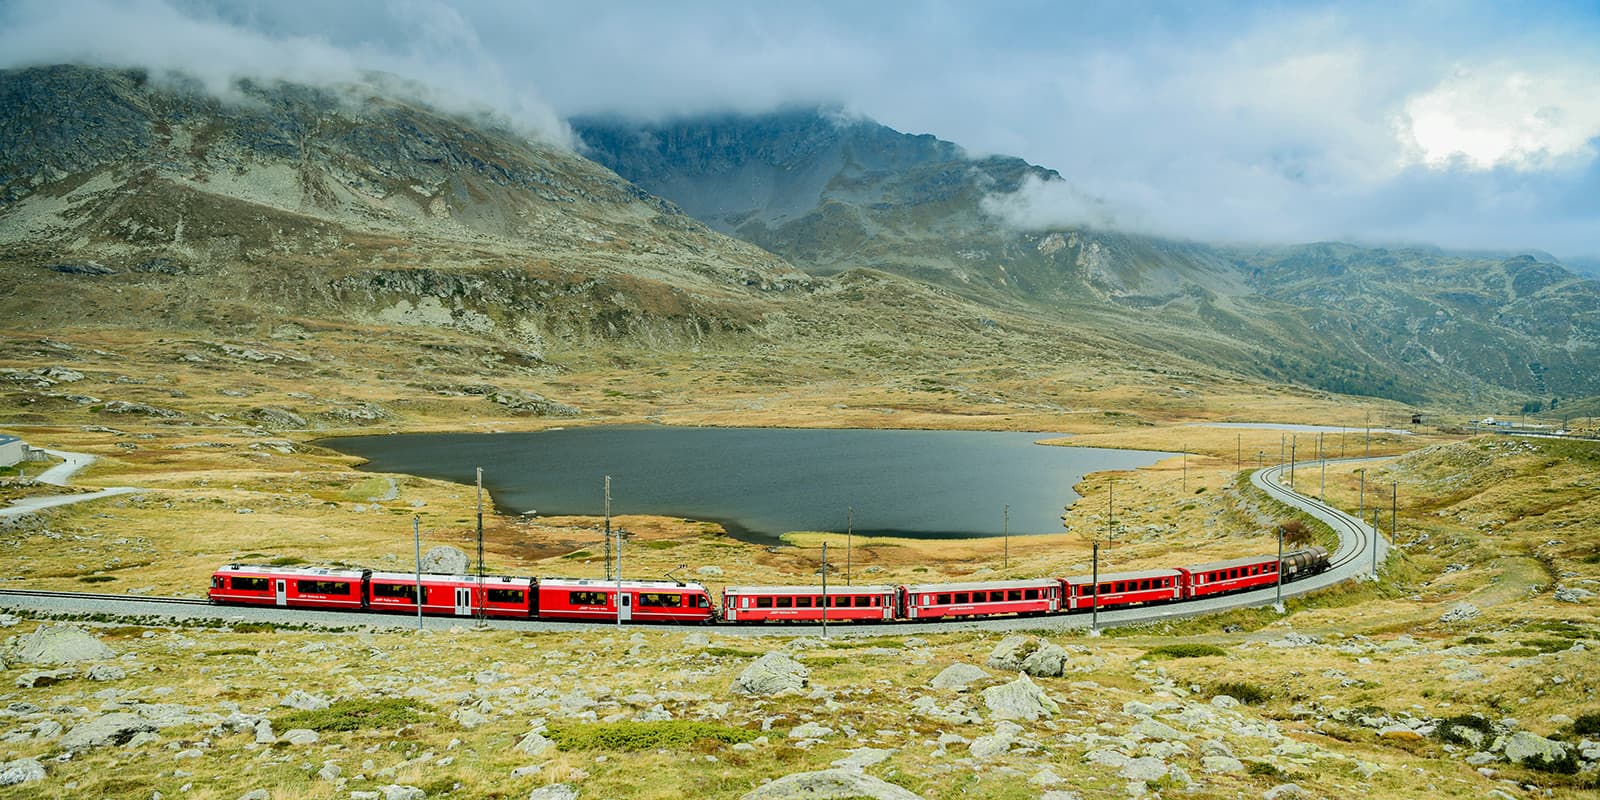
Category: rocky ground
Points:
column 131, row 711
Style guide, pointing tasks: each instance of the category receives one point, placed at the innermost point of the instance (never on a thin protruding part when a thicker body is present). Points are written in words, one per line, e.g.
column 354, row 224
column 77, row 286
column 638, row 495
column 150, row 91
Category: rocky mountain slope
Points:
column 830, row 193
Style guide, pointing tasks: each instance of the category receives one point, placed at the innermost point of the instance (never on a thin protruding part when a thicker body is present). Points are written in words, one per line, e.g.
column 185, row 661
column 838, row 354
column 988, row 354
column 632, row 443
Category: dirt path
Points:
column 59, row 475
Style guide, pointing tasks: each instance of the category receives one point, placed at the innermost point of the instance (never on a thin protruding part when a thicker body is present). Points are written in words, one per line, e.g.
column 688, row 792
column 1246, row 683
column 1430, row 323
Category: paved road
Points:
column 58, row 475
column 1352, row 559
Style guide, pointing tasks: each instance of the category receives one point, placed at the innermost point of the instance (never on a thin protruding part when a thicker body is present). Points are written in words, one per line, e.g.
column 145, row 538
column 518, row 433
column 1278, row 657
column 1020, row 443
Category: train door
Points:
column 280, row 590
column 625, row 608
column 463, row 601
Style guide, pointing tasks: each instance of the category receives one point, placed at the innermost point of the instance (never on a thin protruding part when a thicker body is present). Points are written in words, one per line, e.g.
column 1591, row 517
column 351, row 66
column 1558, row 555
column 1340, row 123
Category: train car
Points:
column 640, row 601
column 791, row 603
column 1122, row 589
column 1302, row 563
column 456, row 595
column 940, row 600
column 1233, row 575
column 293, row 587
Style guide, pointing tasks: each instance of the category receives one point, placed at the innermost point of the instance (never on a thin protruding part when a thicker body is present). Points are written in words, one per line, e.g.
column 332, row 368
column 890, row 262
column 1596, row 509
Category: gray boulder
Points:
column 1221, row 764
column 534, row 744
column 23, row 770
column 1030, row 655
column 303, row 701
column 1522, row 746
column 57, row 644
column 1019, row 699
column 106, row 672
column 115, row 728
column 1145, row 769
column 555, row 791
column 1460, row 612
column 773, row 673
column 1049, row 661
column 445, row 560
column 829, row 784
column 1572, row 594
column 35, row 680
column 958, row 677
column 399, row 792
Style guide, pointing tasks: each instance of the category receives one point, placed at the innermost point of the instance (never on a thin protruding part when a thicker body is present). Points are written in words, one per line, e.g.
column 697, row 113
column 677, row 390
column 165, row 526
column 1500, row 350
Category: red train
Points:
column 672, row 602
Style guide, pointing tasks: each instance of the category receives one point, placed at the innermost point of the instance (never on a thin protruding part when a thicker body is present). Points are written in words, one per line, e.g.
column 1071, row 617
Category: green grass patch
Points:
column 1586, row 724
column 1514, row 652
column 286, row 561
column 1247, row 693
column 96, row 578
column 1262, row 768
column 629, row 736
column 576, row 554
column 232, row 651
column 729, row 652
column 352, row 715
column 825, row 661
column 1546, row 645
column 1449, row 729
column 660, row 545
column 1183, row 650
column 367, row 489
column 1477, row 640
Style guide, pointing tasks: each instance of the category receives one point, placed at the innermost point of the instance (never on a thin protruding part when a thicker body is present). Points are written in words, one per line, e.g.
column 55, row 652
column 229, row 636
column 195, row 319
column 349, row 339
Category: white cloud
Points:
column 1505, row 116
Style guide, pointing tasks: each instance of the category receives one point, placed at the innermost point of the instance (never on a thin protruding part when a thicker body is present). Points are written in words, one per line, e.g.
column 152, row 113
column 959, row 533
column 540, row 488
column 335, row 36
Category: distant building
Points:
column 13, row 451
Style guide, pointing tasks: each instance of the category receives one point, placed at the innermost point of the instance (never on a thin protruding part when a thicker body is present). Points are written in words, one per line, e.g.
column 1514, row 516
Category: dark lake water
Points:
column 763, row 482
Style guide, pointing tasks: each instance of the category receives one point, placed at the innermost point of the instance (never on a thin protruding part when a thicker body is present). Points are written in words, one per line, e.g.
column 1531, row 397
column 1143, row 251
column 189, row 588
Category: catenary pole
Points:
column 1094, row 609
column 1005, row 559
column 849, row 544
column 416, row 541
column 608, row 526
column 1279, row 605
column 479, row 598
column 824, row 590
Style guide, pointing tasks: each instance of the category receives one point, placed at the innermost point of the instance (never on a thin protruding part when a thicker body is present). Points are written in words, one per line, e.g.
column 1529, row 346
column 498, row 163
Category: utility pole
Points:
column 1322, row 493
column 1292, row 448
column 1260, row 454
column 849, row 534
column 1394, row 513
column 824, row 590
column 1369, row 433
column 1361, row 505
column 1005, row 562
column 1377, row 540
column 1279, row 605
column 1094, row 610
column 1186, row 469
column 608, row 527
column 481, row 621
column 416, row 540
column 619, row 571
column 1283, row 447
column 1109, row 508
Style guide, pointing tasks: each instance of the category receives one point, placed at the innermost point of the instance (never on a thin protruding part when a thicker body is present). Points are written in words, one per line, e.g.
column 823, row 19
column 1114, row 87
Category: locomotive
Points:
column 588, row 600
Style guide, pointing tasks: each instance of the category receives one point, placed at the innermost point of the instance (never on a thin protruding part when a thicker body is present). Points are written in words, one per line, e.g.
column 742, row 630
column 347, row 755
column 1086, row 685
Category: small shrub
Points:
column 254, row 627
column 1546, row 645
column 677, row 734
column 1586, row 724
column 1247, row 693
column 578, row 554
column 1477, row 640
column 232, row 651
column 658, row 545
column 1567, row 764
column 96, row 578
column 1184, row 650
column 1262, row 768
column 1515, row 652
column 729, row 652
column 286, row 561
column 351, row 715
column 1449, row 729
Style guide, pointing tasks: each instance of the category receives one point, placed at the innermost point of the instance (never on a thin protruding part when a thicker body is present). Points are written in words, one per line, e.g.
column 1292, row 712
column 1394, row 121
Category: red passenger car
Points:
column 793, row 603
column 457, row 595
column 641, row 601
column 937, row 600
column 1234, row 575
column 1123, row 588
column 299, row 587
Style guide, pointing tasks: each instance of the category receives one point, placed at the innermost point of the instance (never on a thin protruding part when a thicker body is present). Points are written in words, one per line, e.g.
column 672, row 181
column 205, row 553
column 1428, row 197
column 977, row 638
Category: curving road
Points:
column 58, row 475
column 1353, row 558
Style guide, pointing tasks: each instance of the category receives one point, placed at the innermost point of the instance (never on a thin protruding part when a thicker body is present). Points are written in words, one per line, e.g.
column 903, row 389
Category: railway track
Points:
column 1356, row 540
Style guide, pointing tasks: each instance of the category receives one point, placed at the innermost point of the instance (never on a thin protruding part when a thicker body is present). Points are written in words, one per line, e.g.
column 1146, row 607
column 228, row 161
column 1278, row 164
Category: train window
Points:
column 660, row 600
column 963, row 597
column 944, row 599
column 763, row 602
column 1032, row 594
column 1014, row 594
column 250, row 584
column 864, row 601
column 1105, row 588
column 785, row 602
column 802, row 602
column 217, row 581
column 588, row 598
column 322, row 587
column 407, row 592
column 701, row 601
column 506, row 596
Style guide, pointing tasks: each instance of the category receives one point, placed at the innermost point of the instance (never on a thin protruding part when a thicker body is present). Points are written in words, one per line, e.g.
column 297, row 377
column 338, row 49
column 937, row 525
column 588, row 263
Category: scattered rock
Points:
column 1523, row 745
column 555, row 791
column 810, row 730
column 303, row 701
column 256, row 794
column 114, row 728
column 1284, row 791
column 829, row 784
column 301, row 737
column 445, row 560
column 534, row 744
column 1145, row 769
column 1019, row 699
column 863, row 757
column 1572, row 594
column 773, row 673
column 996, row 744
column 125, row 407
column 35, row 680
column 1460, row 612
column 106, row 672
column 56, row 644
column 276, row 418
column 958, row 677
column 23, row 770
column 1292, row 640
column 400, row 792
column 710, row 571
column 1030, row 655
column 1221, row 764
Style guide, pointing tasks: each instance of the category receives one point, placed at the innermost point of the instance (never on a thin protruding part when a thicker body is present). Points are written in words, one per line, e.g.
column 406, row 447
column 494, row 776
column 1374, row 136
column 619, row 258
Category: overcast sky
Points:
column 1465, row 124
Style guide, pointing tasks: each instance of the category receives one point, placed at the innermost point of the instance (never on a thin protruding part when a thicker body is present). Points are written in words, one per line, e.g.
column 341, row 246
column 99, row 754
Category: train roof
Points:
column 293, row 572
column 1032, row 583
column 1123, row 576
column 833, row 589
column 1231, row 563
column 595, row 583
column 431, row 577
